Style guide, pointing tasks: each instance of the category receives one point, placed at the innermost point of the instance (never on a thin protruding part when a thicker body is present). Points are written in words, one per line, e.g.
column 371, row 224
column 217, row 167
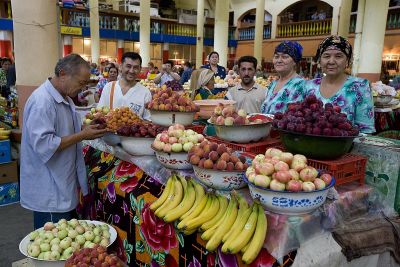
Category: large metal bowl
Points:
column 286, row 202
column 382, row 99
column 137, row 146
column 168, row 118
column 172, row 160
column 316, row 146
column 23, row 248
column 207, row 106
column 243, row 133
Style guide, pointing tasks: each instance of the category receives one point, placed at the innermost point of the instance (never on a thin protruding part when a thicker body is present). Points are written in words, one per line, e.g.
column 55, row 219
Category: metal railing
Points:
column 392, row 21
column 305, row 28
column 249, row 33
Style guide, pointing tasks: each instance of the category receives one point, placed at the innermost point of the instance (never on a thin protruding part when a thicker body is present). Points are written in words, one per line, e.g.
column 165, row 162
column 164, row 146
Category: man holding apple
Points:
column 51, row 152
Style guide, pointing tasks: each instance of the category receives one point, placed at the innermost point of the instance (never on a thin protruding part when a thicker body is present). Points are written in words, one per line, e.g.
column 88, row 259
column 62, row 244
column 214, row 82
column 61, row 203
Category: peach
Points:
column 214, row 156
column 194, row 159
column 281, row 166
column 221, row 165
column 230, row 166
column 225, row 156
column 208, row 164
column 221, row 149
column 239, row 166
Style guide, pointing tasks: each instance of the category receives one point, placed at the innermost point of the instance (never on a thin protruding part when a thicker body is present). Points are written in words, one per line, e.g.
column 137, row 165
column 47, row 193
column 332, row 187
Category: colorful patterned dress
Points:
column 292, row 91
column 354, row 98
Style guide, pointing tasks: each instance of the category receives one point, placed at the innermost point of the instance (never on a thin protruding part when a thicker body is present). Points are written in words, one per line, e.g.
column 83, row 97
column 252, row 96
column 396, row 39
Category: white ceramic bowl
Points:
column 137, row 146
column 176, row 161
column 289, row 203
column 243, row 133
column 207, row 106
column 220, row 180
column 168, row 118
column 111, row 139
column 23, row 247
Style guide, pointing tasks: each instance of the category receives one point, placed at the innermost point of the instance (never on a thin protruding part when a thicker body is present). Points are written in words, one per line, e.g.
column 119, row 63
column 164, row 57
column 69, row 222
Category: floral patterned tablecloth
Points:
column 121, row 193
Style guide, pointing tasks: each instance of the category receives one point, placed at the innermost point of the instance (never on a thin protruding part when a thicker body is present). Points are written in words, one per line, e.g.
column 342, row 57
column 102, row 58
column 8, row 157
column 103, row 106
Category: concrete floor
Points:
column 15, row 223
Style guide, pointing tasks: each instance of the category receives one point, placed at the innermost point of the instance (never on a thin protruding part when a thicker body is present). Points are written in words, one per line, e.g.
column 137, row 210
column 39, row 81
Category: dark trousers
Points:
column 40, row 218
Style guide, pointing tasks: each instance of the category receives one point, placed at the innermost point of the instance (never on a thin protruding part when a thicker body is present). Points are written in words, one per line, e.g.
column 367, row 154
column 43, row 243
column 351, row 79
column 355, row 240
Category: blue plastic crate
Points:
column 5, row 151
column 9, row 193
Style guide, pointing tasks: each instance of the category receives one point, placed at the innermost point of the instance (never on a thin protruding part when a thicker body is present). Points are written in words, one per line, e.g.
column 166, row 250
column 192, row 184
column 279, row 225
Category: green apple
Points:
column 46, row 255
column 49, row 226
column 97, row 239
column 55, row 255
column 72, row 233
column 97, row 231
column 44, row 247
column 87, row 244
column 93, row 110
column 62, row 226
column 89, row 235
column 80, row 239
column 91, row 245
column 104, row 227
column 48, row 236
column 68, row 252
column 73, row 223
column 80, row 229
column 106, row 234
column 34, row 250
column 38, row 241
column 55, row 241
column 104, row 242
column 33, row 235
column 41, row 255
column 65, row 243
column 56, row 247
column 75, row 246
column 62, row 234
column 62, row 221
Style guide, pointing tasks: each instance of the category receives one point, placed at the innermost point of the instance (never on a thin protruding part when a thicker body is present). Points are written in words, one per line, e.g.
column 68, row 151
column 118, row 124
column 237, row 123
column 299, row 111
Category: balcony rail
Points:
column 392, row 22
column 305, row 28
column 131, row 22
column 249, row 33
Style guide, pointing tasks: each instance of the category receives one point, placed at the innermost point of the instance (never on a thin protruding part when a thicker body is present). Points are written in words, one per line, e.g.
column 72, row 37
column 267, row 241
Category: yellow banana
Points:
column 204, row 216
column 189, row 232
column 172, row 202
column 243, row 250
column 210, row 232
column 223, row 228
column 183, row 182
column 223, row 203
column 165, row 194
column 184, row 206
column 246, row 233
column 199, row 196
column 243, row 206
column 237, row 228
column 5, row 132
column 205, row 200
column 257, row 241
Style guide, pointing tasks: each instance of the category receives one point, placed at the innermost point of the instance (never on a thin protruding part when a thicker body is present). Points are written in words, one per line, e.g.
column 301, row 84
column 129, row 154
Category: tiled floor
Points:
column 15, row 223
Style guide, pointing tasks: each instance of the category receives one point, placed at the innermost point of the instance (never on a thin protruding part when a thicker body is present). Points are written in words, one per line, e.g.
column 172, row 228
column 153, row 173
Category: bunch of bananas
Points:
column 4, row 134
column 242, row 228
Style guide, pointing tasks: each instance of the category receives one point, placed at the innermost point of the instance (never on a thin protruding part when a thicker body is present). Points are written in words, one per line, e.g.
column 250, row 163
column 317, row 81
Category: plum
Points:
column 291, row 126
column 281, row 125
column 316, row 131
column 301, row 128
column 278, row 116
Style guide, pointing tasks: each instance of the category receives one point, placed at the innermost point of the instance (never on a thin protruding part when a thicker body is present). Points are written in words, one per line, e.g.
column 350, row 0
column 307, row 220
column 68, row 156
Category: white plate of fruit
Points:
column 52, row 244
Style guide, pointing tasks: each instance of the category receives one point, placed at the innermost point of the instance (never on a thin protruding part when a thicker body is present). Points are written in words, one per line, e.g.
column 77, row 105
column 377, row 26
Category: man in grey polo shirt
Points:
column 248, row 95
column 52, row 163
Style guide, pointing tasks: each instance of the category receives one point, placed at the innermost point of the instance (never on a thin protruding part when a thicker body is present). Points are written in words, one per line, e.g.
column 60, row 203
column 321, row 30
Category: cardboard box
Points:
column 9, row 193
column 8, row 172
column 5, row 151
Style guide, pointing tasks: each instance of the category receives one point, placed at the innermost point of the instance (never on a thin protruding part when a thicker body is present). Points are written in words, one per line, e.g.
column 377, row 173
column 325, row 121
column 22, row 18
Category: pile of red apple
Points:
column 312, row 117
column 228, row 116
column 143, row 129
column 176, row 139
column 210, row 155
column 282, row 171
column 168, row 100
column 96, row 256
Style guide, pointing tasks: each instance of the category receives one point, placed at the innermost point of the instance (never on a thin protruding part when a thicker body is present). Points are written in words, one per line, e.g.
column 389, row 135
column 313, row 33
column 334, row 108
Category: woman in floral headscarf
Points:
column 290, row 86
column 351, row 94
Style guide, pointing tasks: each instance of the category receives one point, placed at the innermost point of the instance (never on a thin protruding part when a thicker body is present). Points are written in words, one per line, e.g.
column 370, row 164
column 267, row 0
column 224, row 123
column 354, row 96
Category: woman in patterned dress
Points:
column 351, row 94
column 289, row 87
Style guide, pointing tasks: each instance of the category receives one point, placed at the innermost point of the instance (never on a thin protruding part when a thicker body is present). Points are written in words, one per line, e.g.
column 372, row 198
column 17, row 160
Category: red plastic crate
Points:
column 198, row 128
column 255, row 148
column 346, row 169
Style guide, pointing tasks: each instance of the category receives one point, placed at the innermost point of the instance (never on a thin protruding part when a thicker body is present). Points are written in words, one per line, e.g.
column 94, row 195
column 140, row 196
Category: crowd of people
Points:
column 51, row 134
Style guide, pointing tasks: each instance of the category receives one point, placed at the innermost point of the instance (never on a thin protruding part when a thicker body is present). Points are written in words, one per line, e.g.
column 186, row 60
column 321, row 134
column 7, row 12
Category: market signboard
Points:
column 71, row 30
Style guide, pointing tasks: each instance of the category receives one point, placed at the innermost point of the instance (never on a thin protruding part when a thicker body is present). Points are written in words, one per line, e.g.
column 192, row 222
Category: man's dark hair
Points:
column 112, row 66
column 6, row 59
column 70, row 64
column 169, row 62
column 133, row 56
column 250, row 59
column 213, row 52
column 187, row 64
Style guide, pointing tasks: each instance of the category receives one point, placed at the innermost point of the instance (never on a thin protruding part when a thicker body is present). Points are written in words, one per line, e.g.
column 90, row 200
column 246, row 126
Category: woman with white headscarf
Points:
column 202, row 84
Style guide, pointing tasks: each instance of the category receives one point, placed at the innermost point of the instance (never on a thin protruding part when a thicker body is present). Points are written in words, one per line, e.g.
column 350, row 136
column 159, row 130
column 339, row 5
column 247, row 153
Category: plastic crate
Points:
column 346, row 169
column 255, row 148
